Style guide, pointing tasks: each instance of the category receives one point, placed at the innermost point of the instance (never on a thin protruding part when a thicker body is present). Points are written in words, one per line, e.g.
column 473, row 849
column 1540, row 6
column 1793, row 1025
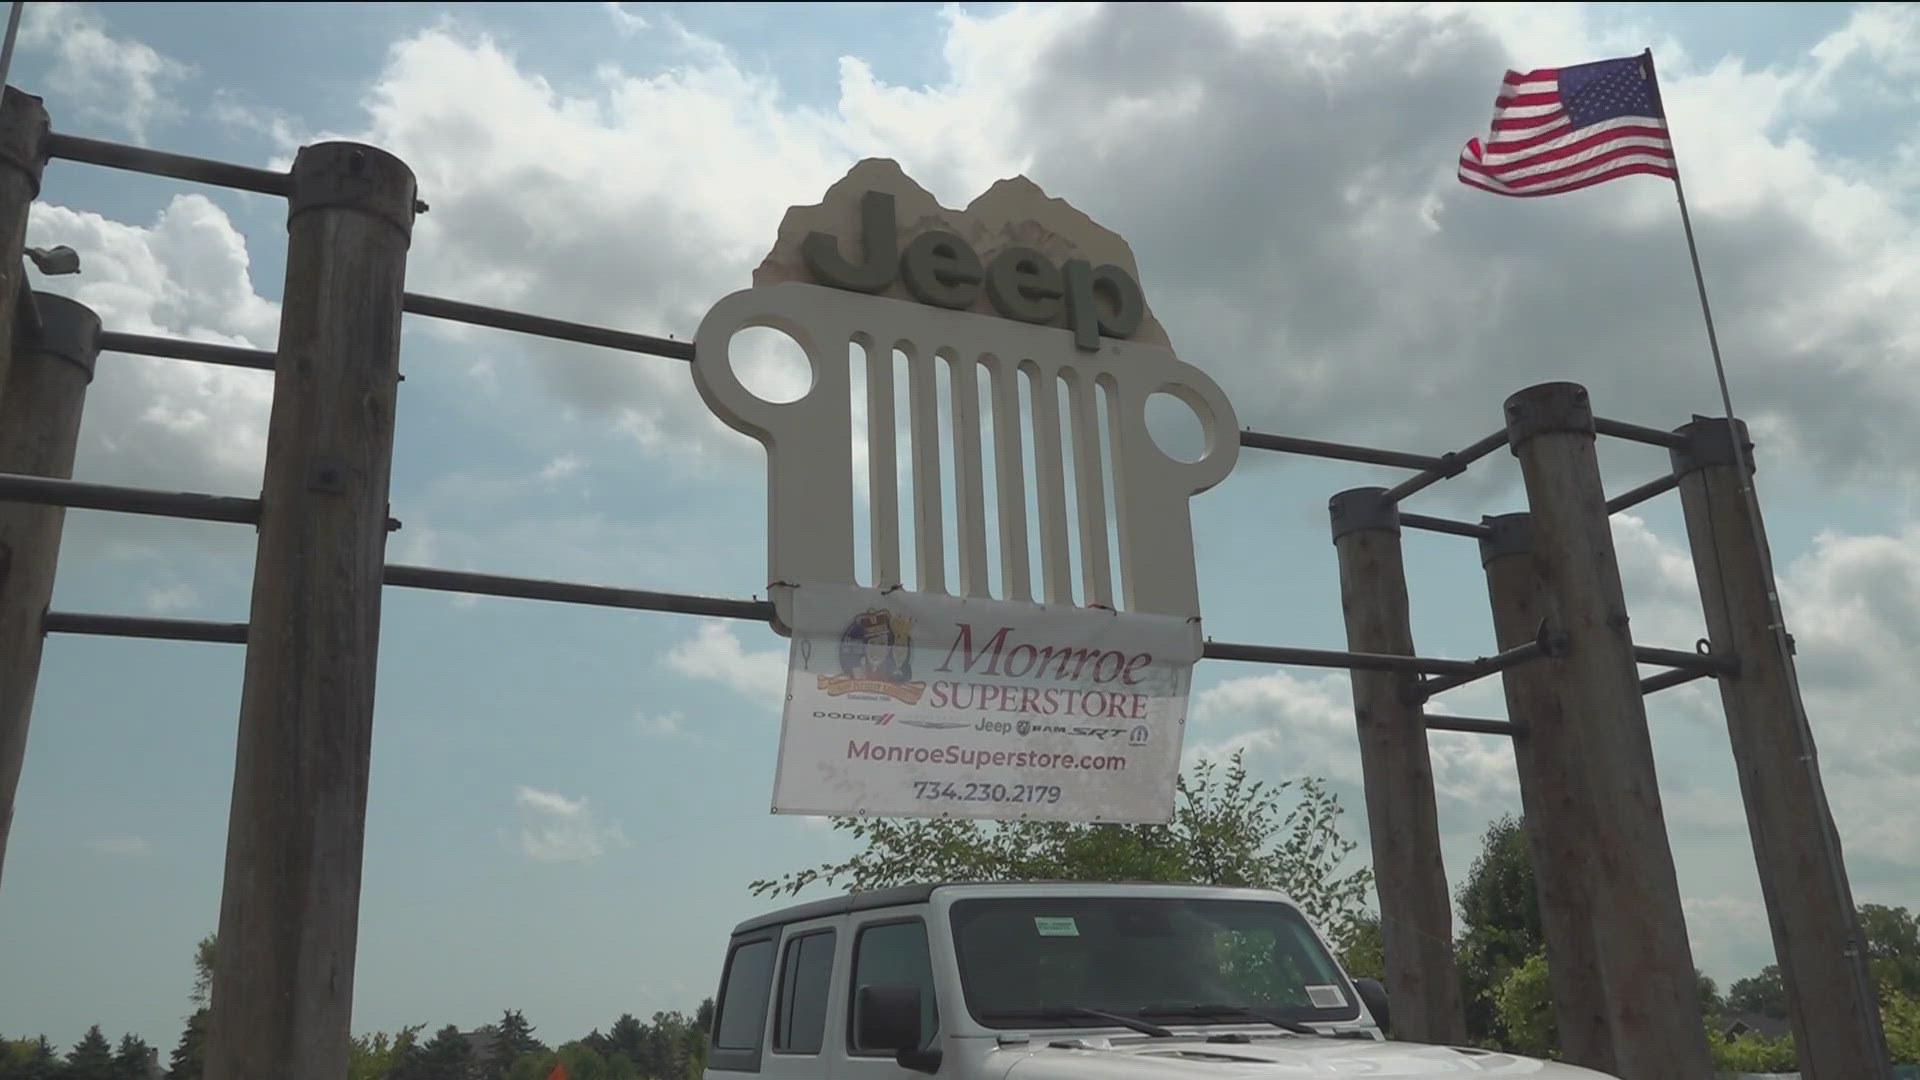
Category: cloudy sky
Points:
column 567, row 804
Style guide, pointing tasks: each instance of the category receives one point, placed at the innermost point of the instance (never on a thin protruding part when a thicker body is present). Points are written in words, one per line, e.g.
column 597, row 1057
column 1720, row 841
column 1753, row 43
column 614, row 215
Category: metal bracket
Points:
column 1358, row 509
column 1708, row 443
column 68, row 330
column 1507, row 534
column 1548, row 407
column 354, row 176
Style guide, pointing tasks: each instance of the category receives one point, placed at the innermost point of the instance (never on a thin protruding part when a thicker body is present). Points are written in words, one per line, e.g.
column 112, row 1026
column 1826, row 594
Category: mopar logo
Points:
column 1140, row 735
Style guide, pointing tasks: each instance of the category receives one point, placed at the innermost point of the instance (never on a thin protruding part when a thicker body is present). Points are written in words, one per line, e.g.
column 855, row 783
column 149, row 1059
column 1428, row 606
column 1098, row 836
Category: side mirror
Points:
column 887, row 1017
column 1374, row 996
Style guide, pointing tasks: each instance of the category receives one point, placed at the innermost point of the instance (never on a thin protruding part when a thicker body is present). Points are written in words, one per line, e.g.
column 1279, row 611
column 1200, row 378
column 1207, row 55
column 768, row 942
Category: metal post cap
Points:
column 1363, row 508
column 69, row 330
column 353, row 176
column 23, row 134
column 1507, row 534
column 1554, row 406
column 1709, row 444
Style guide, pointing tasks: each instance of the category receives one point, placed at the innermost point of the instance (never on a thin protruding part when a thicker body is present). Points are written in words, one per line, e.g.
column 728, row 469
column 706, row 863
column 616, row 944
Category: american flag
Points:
column 1562, row 129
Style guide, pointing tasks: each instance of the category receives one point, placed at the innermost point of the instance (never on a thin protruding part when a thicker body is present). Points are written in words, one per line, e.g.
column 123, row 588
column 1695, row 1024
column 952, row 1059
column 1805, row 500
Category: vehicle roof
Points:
column 903, row 895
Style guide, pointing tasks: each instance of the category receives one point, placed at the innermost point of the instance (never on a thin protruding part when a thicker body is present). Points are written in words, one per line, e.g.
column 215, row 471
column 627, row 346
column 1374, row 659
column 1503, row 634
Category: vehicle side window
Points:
column 805, row 978
column 894, row 952
column 744, row 990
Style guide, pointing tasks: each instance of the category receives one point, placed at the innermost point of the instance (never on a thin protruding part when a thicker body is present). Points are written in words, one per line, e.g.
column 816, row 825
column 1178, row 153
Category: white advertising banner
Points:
column 909, row 705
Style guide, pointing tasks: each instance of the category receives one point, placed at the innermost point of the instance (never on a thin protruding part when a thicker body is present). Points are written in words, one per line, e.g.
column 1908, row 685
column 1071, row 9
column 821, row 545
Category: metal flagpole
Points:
column 13, row 31
column 1865, row 997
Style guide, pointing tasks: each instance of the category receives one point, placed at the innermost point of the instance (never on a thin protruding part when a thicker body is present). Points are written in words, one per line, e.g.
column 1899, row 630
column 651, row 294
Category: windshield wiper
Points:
column 1198, row 1011
column 1067, row 1012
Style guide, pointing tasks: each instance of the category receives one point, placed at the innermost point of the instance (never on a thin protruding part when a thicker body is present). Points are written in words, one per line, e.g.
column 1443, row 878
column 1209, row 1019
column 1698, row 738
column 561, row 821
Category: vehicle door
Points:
column 886, row 947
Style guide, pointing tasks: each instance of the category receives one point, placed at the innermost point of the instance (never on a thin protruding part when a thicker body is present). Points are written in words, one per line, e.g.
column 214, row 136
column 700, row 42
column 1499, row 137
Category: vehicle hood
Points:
column 1262, row 1058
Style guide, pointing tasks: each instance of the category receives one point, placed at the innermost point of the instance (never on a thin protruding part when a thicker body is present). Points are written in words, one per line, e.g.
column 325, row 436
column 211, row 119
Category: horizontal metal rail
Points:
column 204, row 352
column 434, row 307
column 1636, row 496
column 1438, row 722
column 75, row 622
column 1288, row 444
column 1445, row 525
column 1452, row 464
column 1333, row 658
column 1620, row 429
column 1541, row 645
column 160, row 163
column 1653, row 684
column 1708, row 663
column 73, row 493
column 421, row 577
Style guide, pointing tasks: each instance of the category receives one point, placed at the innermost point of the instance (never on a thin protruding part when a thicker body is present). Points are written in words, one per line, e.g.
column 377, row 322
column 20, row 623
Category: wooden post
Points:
column 1416, row 914
column 1803, row 879
column 1560, row 814
column 289, row 915
column 1645, row 966
column 39, row 431
column 23, row 157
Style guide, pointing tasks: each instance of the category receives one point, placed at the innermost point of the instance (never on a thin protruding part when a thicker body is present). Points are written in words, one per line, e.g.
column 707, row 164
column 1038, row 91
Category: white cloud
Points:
column 121, row 847
column 627, row 23
column 554, row 828
column 169, row 423
column 669, row 725
column 114, row 81
column 171, row 598
column 715, row 654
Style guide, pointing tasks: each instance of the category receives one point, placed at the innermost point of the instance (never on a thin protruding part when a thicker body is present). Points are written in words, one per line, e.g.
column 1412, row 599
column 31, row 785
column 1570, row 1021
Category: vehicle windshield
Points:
column 1027, row 962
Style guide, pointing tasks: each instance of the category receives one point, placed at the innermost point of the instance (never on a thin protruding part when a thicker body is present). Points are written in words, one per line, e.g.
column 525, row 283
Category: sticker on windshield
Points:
column 1326, row 997
column 1060, row 927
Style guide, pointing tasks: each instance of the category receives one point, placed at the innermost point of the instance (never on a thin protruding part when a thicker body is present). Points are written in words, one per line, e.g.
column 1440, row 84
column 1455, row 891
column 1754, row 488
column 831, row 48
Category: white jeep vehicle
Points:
column 1044, row 981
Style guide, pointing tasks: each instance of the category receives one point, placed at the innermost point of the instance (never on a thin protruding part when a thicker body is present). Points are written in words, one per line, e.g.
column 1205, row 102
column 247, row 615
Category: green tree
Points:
column 1525, row 1006
column 1764, row 994
column 29, row 1059
column 446, row 1056
column 189, row 1058
column 372, row 1057
column 1227, row 830
column 1365, row 954
column 203, row 955
column 131, row 1061
column 91, row 1058
column 1900, row 1016
column 1500, row 925
column 1893, row 946
column 512, row 1040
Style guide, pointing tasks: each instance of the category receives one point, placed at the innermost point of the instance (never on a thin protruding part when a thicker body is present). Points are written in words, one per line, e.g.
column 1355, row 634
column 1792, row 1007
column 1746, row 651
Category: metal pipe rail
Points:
column 1543, row 644
column 74, row 622
column 1636, row 496
column 160, row 163
column 1439, row 722
column 1653, row 684
column 1288, row 444
column 434, row 307
column 1452, row 464
column 47, row 491
column 1445, row 525
column 422, row 577
column 1706, row 663
column 204, row 352
column 1620, row 429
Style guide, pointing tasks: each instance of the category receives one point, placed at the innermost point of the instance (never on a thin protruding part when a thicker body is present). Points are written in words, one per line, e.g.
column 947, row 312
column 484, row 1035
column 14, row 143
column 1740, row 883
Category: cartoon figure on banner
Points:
column 876, row 659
